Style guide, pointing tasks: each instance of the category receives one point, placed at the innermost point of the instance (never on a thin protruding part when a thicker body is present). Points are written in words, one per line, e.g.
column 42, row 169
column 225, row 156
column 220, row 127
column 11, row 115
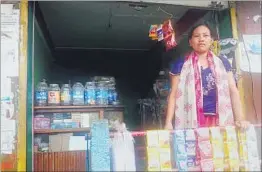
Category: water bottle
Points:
column 54, row 95
column 41, row 94
column 78, row 94
column 66, row 95
column 90, row 93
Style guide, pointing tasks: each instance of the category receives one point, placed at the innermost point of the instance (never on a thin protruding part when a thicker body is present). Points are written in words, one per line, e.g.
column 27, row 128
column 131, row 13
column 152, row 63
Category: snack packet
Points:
column 202, row 134
column 191, row 148
column 243, row 152
column 164, row 138
column 153, row 32
column 152, row 138
column 179, row 136
column 170, row 42
column 160, row 33
column 215, row 134
column 217, row 150
column 232, row 164
column 153, row 159
column 191, row 161
column 165, row 159
column 230, row 149
column 181, row 163
column 190, row 135
column 207, row 165
column 230, row 134
column 205, row 149
column 218, row 164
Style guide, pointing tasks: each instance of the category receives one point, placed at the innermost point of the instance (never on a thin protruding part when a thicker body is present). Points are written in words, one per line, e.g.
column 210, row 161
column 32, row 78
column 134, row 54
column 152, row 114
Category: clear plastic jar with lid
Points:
column 90, row 93
column 66, row 95
column 41, row 94
column 78, row 94
column 101, row 93
column 54, row 95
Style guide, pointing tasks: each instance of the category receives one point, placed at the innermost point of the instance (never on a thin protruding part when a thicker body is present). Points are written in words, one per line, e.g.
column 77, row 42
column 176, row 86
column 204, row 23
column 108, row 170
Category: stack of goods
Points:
column 164, row 32
column 99, row 91
column 158, row 151
column 65, row 120
column 190, row 148
column 180, row 150
column 218, row 148
column 100, row 146
column 231, row 149
column 248, row 150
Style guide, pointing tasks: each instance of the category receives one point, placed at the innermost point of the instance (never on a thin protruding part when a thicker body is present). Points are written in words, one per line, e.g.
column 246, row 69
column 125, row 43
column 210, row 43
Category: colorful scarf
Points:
column 189, row 95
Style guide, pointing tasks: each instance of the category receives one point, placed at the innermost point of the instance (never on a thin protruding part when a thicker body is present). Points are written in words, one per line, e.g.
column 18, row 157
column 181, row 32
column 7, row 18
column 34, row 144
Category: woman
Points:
column 203, row 90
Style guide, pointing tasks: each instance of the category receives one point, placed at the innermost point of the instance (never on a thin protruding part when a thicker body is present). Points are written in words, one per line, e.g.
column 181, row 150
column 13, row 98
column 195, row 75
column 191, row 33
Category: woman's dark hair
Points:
column 190, row 34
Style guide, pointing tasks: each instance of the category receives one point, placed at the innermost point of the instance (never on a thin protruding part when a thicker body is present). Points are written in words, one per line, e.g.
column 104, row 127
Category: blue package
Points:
column 191, row 161
column 179, row 136
column 191, row 148
column 181, row 164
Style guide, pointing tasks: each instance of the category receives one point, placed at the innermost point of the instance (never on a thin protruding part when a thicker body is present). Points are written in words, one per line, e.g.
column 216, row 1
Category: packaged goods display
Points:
column 159, row 151
column 98, row 91
column 231, row 149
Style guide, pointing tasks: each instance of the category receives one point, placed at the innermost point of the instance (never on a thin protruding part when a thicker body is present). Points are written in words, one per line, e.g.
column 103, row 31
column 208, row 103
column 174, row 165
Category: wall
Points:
column 251, row 80
column 42, row 56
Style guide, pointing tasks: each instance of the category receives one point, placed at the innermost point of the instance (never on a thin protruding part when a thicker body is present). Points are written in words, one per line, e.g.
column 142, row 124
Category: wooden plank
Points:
column 53, row 131
column 57, row 109
column 21, row 131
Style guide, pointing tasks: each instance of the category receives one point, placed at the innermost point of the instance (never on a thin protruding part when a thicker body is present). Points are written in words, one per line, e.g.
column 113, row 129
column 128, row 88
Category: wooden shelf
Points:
column 84, row 108
column 54, row 131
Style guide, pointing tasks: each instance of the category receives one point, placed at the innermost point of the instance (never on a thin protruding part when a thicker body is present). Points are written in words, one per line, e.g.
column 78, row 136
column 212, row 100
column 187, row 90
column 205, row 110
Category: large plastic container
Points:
column 90, row 93
column 54, row 95
column 78, row 94
column 41, row 94
column 101, row 93
column 66, row 95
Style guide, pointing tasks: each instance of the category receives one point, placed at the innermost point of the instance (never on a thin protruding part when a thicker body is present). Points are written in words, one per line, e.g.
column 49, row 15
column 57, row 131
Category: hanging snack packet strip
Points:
column 204, row 149
column 191, row 148
column 242, row 146
column 180, row 150
column 164, row 151
column 153, row 162
column 169, row 35
column 231, row 149
column 217, row 147
column 252, row 148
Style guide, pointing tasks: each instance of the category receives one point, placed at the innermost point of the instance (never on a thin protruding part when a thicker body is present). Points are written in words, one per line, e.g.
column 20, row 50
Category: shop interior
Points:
column 77, row 41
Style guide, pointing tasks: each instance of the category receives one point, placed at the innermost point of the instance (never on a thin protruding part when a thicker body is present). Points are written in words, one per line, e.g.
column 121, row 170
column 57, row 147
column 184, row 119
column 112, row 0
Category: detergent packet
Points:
column 153, row 159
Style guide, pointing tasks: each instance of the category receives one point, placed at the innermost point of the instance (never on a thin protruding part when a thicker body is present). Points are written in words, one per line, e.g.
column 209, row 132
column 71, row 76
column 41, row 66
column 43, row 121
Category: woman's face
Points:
column 201, row 40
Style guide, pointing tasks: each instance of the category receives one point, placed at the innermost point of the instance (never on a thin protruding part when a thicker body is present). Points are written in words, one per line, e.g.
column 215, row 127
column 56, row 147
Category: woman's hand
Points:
column 168, row 126
column 242, row 124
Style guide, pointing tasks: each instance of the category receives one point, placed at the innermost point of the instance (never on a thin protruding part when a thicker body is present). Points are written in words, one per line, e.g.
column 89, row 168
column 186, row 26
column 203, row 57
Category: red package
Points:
column 205, row 149
column 167, row 29
column 202, row 134
column 207, row 165
column 170, row 42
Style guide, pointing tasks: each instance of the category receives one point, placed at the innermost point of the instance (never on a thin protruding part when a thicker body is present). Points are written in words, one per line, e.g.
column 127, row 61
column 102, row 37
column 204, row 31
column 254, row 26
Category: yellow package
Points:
column 165, row 159
column 218, row 164
column 244, row 165
column 231, row 150
column 153, row 162
column 215, row 134
column 243, row 151
column 152, row 139
column 241, row 136
column 230, row 134
column 218, row 150
column 164, row 139
column 231, row 164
